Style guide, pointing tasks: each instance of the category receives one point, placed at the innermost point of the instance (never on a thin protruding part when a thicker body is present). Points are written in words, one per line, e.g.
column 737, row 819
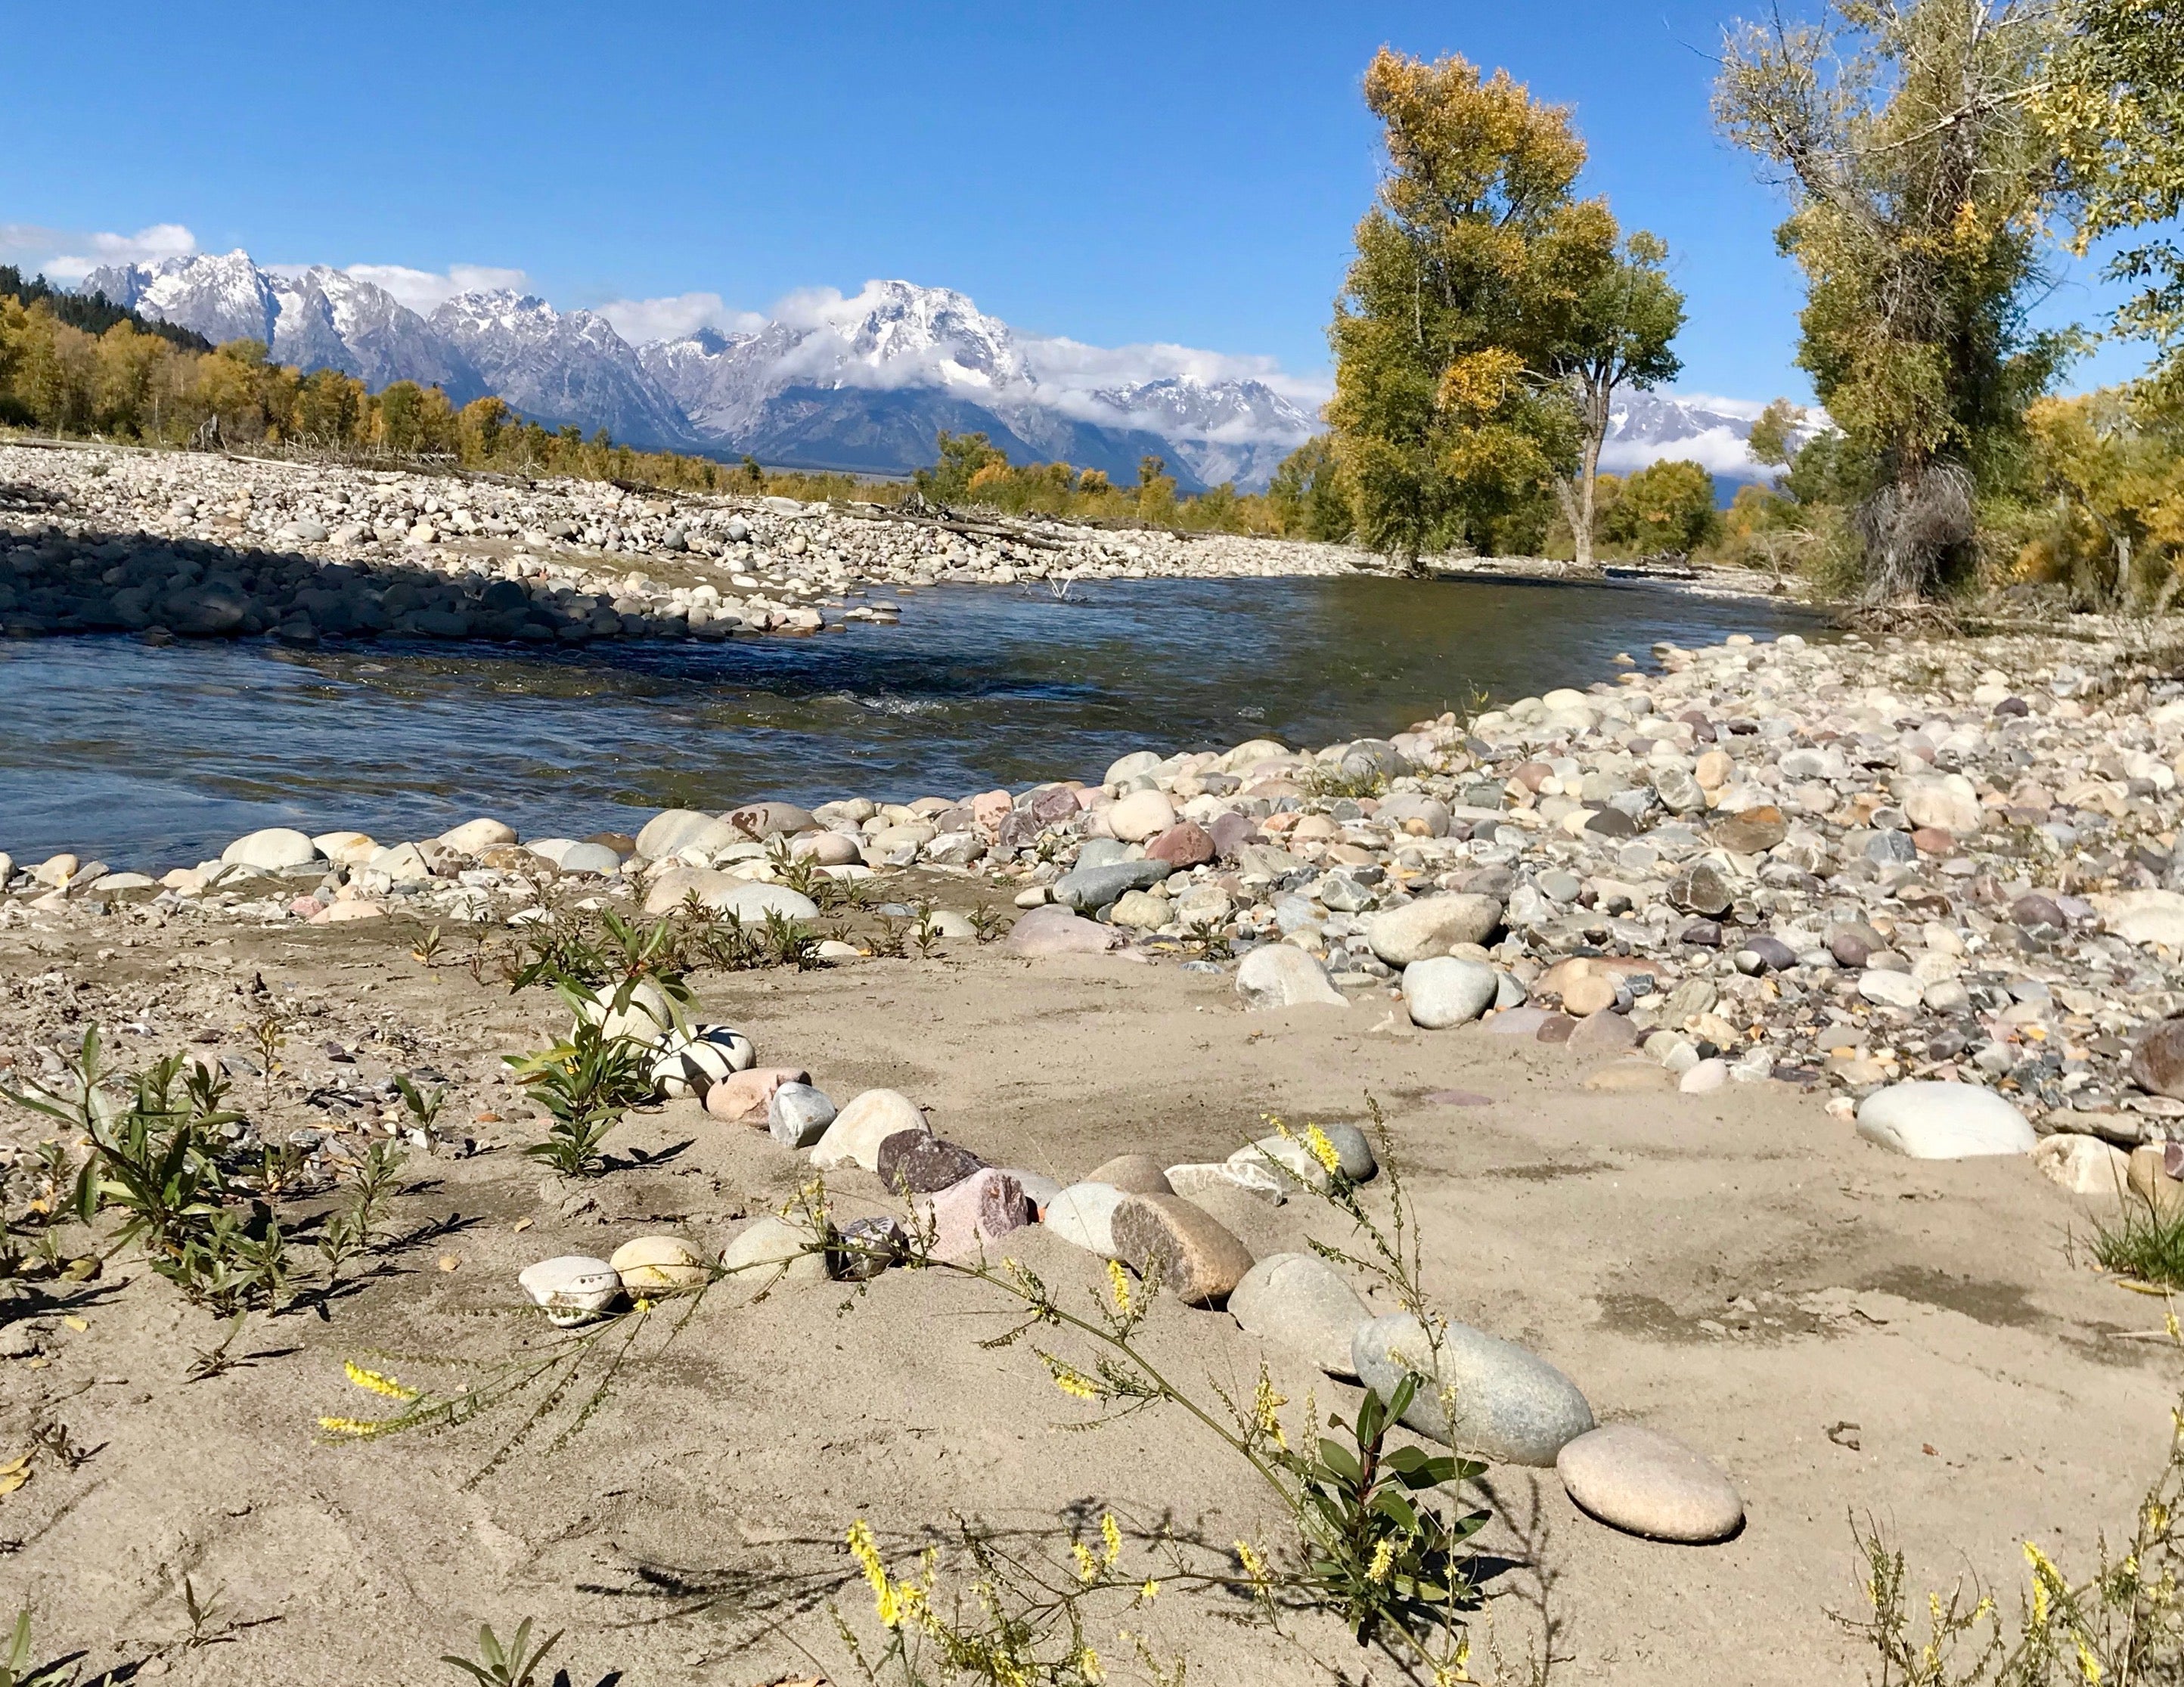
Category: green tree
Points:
column 961, row 456
column 1156, row 490
column 1307, row 495
column 1921, row 181
column 1774, row 437
column 1449, row 411
column 1617, row 335
column 1666, row 506
column 2113, row 102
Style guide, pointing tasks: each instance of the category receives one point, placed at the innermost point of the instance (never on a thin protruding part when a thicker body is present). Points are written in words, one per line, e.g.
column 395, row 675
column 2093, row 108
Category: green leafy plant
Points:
column 424, row 1110
column 19, row 1671
column 987, row 923
column 428, row 952
column 354, row 1229
column 152, row 1159
column 586, row 1081
column 517, row 1664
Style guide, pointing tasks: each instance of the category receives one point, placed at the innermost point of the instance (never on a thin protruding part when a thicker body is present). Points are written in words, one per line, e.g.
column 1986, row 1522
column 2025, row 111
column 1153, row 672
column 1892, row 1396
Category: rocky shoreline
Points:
column 1850, row 865
column 98, row 538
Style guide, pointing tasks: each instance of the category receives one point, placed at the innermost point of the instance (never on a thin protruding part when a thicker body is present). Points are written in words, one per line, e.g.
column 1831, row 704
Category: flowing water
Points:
column 155, row 757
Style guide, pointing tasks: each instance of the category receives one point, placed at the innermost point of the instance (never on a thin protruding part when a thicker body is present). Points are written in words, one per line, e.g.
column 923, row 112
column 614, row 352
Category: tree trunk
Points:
column 1594, row 392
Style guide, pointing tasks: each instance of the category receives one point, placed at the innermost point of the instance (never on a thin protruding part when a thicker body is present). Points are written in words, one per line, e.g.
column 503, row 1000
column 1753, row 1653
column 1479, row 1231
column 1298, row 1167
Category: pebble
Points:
column 1139, row 1174
column 1930, row 1121
column 1647, row 1483
column 1301, row 1302
column 746, row 1097
column 1509, row 1404
column 916, row 1162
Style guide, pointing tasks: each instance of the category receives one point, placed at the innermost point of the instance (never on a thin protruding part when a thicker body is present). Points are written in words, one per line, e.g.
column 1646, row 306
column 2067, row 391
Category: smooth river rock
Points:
column 1303, row 1303
column 1083, row 1215
column 797, row 1115
column 1943, row 1122
column 859, row 1129
column 1647, row 1483
column 271, row 851
column 1447, row 990
column 1431, row 925
column 1510, row 1405
column 1200, row 1262
column 1275, row 975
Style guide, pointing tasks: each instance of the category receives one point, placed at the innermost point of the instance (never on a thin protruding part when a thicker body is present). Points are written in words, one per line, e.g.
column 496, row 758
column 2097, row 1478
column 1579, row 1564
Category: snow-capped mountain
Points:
column 562, row 366
column 1647, row 427
column 862, row 382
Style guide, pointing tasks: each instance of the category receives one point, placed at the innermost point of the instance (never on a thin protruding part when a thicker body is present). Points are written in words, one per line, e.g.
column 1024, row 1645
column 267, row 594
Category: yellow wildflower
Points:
column 1087, row 1665
column 1149, row 1591
column 359, row 1427
column 1087, row 1567
column 377, row 1383
column 1255, row 1566
column 1071, row 1381
column 1264, row 1406
column 1120, row 1279
column 2089, row 1666
column 1384, row 1560
column 887, row 1597
column 1322, row 1151
column 1111, row 1536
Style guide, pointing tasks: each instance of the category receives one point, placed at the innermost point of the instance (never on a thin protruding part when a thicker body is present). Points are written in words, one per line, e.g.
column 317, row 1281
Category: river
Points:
column 157, row 757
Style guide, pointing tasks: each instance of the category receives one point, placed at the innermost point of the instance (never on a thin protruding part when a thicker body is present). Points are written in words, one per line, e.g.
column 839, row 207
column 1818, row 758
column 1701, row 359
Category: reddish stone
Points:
column 741, row 1097
column 1932, row 840
column 1185, row 844
column 985, row 1206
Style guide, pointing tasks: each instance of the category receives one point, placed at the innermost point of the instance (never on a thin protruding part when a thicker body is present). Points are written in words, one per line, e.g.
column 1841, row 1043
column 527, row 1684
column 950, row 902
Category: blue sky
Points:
column 1120, row 174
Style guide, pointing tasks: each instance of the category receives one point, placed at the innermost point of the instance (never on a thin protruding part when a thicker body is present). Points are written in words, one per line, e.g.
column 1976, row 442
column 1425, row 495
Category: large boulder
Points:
column 1431, row 925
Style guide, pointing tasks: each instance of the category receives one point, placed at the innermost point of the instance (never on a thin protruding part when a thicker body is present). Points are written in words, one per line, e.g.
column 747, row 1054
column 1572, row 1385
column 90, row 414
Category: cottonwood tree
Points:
column 1616, row 334
column 2115, row 105
column 1922, row 178
column 1450, row 413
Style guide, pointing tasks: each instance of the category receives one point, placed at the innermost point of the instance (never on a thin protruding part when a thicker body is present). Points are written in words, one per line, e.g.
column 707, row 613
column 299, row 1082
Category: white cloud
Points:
column 1070, row 366
column 69, row 255
column 639, row 321
column 422, row 290
column 1718, row 450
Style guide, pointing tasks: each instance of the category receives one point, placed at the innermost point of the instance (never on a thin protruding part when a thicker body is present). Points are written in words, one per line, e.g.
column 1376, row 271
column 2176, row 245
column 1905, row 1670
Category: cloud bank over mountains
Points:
column 860, row 381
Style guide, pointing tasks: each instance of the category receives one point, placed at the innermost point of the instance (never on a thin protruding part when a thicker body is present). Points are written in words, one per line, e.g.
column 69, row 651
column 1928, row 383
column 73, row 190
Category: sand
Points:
column 1737, row 1269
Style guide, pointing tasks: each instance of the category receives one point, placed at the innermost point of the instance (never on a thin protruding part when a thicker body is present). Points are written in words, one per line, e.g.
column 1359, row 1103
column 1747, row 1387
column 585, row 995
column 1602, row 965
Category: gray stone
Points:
column 272, row 850
column 1278, row 975
column 1303, row 1303
column 1943, row 1122
column 1651, row 1484
column 916, row 1162
column 675, row 830
column 1445, row 990
column 771, row 1245
column 1431, row 925
column 1200, row 1262
column 590, row 858
column 1051, row 929
column 1508, row 1402
column 1083, row 1215
column 797, row 1115
column 1090, row 889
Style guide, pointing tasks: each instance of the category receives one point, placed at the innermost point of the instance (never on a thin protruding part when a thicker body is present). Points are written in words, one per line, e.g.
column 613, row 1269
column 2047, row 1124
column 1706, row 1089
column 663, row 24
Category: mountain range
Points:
column 862, row 383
